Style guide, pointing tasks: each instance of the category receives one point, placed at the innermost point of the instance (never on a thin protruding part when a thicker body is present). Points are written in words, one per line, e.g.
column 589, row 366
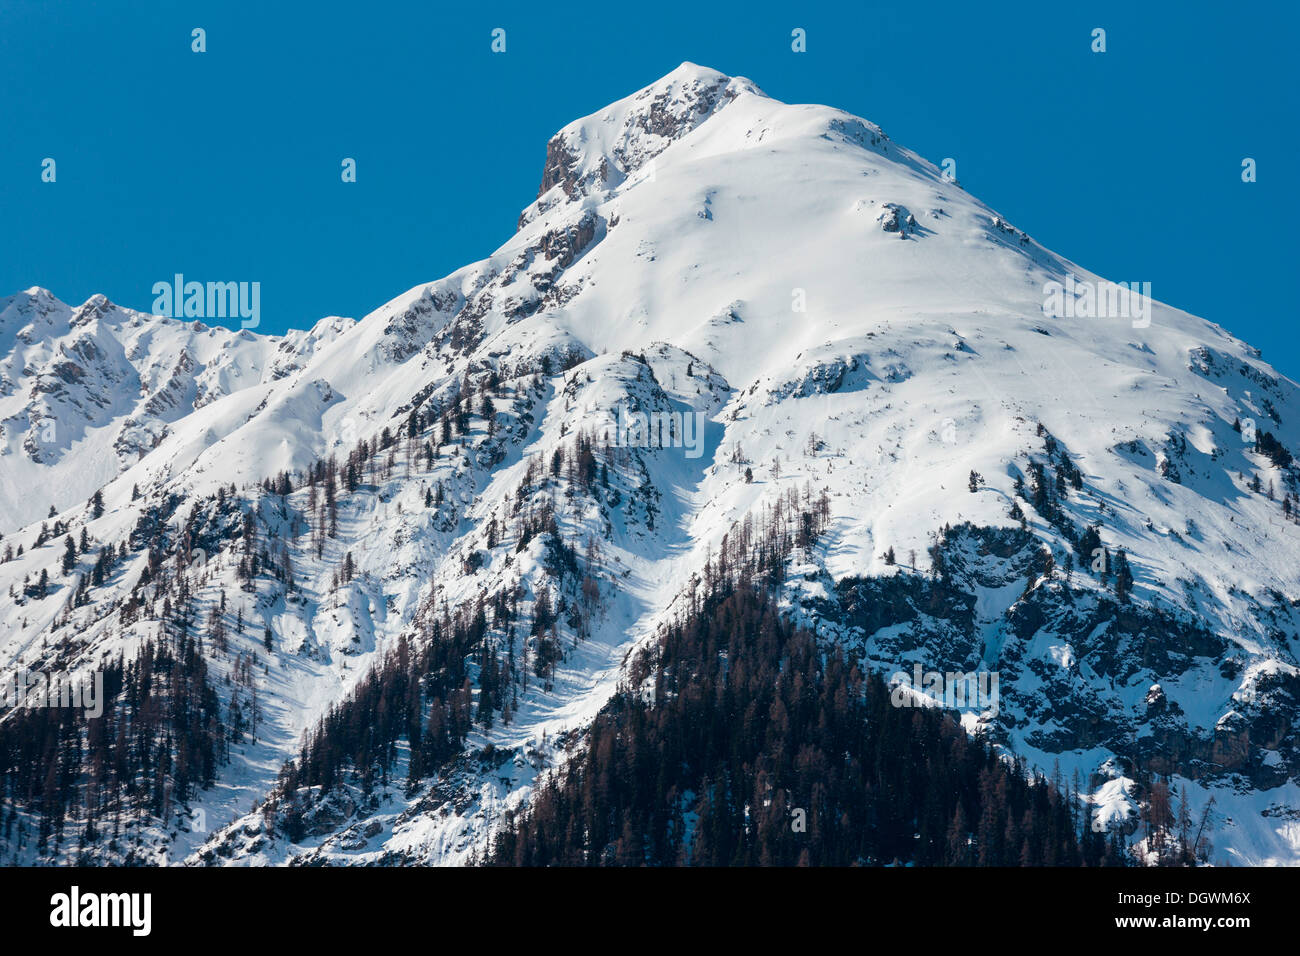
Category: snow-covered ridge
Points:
column 86, row 391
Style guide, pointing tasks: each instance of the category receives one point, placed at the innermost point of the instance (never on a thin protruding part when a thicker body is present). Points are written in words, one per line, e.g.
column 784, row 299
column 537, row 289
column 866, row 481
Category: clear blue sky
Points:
column 225, row 165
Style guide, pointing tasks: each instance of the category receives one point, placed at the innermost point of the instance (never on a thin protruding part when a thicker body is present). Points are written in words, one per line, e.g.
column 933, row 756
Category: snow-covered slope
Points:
column 844, row 321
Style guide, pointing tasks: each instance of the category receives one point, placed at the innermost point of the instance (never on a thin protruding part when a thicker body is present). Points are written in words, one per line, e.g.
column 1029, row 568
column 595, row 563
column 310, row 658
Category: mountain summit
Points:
column 601, row 151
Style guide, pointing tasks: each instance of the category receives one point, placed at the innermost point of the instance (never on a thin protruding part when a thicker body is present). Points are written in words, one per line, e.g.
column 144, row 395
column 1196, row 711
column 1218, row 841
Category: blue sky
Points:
column 225, row 165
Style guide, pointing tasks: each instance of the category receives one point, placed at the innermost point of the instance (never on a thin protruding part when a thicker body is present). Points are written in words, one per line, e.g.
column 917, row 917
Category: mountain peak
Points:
column 600, row 151
column 693, row 73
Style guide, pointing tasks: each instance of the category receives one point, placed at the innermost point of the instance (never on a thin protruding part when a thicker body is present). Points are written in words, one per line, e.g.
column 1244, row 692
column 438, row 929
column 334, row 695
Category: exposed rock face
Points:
column 890, row 218
column 1068, row 661
column 564, row 245
column 560, row 167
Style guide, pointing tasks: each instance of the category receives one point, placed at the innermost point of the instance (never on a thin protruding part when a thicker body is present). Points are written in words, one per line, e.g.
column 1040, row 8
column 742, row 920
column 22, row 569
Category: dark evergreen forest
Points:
column 738, row 742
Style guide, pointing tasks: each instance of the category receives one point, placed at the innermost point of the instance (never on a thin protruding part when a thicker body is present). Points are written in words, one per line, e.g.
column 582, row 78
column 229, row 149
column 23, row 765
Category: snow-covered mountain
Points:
column 847, row 326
